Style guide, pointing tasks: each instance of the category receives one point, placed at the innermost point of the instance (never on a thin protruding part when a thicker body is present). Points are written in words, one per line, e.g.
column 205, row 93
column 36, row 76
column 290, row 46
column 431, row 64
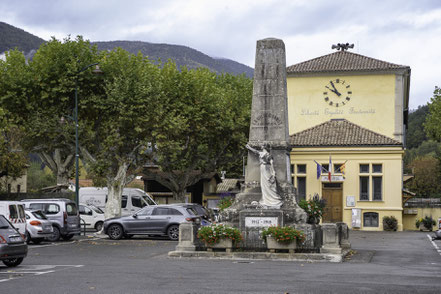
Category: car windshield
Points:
column 38, row 214
column 97, row 209
column 4, row 224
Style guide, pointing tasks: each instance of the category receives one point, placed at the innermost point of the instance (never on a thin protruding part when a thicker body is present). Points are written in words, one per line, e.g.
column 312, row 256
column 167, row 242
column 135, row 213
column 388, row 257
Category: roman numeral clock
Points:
column 337, row 93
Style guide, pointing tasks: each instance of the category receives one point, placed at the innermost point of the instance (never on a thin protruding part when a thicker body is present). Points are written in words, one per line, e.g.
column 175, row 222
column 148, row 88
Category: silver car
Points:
column 152, row 220
column 38, row 226
column 63, row 214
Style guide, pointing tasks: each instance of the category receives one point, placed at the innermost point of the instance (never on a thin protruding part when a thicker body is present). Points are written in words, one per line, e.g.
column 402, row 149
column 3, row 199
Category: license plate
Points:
column 15, row 239
column 73, row 225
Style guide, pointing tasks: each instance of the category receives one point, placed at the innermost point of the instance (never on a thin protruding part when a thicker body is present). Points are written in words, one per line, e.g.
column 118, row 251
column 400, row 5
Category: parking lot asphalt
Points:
column 381, row 262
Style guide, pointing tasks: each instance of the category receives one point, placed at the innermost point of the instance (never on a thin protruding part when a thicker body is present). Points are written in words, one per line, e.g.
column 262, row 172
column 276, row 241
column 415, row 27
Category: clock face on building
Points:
column 337, row 93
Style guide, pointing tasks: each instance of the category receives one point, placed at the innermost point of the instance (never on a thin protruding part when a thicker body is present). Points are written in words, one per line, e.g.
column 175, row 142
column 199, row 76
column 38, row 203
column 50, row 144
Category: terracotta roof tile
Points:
column 342, row 61
column 340, row 132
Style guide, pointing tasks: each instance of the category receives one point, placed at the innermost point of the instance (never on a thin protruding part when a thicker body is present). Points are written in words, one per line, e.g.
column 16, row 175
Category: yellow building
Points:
column 348, row 116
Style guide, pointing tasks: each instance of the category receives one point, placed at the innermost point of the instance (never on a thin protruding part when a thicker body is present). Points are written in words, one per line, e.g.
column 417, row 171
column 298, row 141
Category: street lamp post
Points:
column 97, row 70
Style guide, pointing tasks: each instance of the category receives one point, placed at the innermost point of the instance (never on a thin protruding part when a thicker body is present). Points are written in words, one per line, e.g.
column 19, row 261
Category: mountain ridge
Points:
column 12, row 37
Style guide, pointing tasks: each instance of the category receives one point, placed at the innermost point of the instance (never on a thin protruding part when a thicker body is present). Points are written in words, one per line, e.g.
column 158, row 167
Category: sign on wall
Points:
column 356, row 218
column 350, row 201
column 333, row 179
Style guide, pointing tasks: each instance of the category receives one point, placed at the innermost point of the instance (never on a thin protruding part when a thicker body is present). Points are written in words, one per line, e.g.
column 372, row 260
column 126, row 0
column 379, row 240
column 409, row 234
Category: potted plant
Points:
column 425, row 223
column 390, row 223
column 219, row 236
column 282, row 238
column 313, row 208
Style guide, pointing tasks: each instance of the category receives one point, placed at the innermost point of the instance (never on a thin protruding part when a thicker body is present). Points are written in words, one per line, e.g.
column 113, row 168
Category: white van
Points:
column 14, row 212
column 132, row 199
column 92, row 216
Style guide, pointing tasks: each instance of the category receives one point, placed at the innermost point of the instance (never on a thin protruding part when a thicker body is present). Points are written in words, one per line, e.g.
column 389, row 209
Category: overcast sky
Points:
column 406, row 32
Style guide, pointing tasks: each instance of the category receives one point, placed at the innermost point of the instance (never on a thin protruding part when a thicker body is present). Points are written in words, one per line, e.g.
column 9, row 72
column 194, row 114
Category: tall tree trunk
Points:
column 115, row 186
column 59, row 166
column 179, row 195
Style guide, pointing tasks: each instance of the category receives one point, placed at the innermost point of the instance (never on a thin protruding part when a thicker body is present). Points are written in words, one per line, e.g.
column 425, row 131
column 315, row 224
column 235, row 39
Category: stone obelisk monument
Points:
column 267, row 196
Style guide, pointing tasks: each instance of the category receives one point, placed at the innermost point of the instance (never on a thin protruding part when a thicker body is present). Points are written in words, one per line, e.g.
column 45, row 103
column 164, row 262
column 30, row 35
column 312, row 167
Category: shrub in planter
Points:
column 283, row 234
column 428, row 222
column 390, row 223
column 215, row 232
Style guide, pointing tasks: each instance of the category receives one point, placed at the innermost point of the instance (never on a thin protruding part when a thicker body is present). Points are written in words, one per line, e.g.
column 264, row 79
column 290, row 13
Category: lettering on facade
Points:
column 333, row 112
column 309, row 112
column 267, row 119
column 352, row 110
column 333, row 178
column 260, row 222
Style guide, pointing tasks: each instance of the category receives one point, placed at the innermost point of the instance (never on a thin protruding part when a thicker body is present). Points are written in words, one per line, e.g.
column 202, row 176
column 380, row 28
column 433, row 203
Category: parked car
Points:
column 14, row 212
column 200, row 210
column 152, row 220
column 132, row 199
column 63, row 214
column 13, row 248
column 92, row 216
column 38, row 226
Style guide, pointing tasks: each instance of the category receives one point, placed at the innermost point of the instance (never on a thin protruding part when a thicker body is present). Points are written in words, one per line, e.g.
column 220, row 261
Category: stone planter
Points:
column 424, row 228
column 226, row 244
column 313, row 220
column 273, row 245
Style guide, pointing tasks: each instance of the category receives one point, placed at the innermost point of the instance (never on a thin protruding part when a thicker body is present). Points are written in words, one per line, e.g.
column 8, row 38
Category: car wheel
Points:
column 67, row 237
column 173, row 232
column 115, row 232
column 27, row 237
column 99, row 226
column 55, row 235
column 13, row 261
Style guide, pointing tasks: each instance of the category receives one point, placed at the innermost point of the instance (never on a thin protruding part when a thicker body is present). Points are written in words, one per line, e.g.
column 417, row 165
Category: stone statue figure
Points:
column 267, row 178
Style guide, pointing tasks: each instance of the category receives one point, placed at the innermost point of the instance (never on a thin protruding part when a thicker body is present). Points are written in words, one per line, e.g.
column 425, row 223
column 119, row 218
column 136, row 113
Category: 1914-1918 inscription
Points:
column 257, row 222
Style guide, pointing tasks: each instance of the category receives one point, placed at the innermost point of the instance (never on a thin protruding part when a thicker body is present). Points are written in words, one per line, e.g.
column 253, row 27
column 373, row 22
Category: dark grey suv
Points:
column 13, row 247
column 151, row 220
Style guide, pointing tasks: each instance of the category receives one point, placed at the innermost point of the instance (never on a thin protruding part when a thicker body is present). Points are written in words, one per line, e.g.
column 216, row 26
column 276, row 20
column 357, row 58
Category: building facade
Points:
column 347, row 122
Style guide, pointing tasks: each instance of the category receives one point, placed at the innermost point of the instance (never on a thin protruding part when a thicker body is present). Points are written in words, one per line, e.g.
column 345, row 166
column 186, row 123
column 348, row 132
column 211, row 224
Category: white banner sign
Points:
column 333, row 179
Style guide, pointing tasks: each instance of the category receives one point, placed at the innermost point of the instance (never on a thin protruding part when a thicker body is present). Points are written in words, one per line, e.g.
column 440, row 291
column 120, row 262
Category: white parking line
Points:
column 434, row 244
column 62, row 243
column 36, row 270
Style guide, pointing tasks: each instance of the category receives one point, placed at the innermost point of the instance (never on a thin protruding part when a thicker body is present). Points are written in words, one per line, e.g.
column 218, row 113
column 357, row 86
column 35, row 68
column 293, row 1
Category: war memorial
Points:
column 267, row 197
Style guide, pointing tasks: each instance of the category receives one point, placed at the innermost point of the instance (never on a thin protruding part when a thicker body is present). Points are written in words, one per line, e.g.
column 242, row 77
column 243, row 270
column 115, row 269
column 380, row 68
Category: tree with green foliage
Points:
column 432, row 125
column 40, row 92
column 120, row 121
column 415, row 133
column 427, row 180
column 211, row 123
column 188, row 122
column 12, row 157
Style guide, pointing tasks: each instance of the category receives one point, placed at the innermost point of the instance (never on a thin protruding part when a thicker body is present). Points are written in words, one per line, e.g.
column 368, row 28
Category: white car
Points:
column 38, row 226
column 92, row 216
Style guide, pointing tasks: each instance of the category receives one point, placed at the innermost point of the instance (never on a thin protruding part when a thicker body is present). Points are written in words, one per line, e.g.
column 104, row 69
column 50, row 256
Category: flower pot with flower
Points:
column 313, row 208
column 282, row 238
column 219, row 236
